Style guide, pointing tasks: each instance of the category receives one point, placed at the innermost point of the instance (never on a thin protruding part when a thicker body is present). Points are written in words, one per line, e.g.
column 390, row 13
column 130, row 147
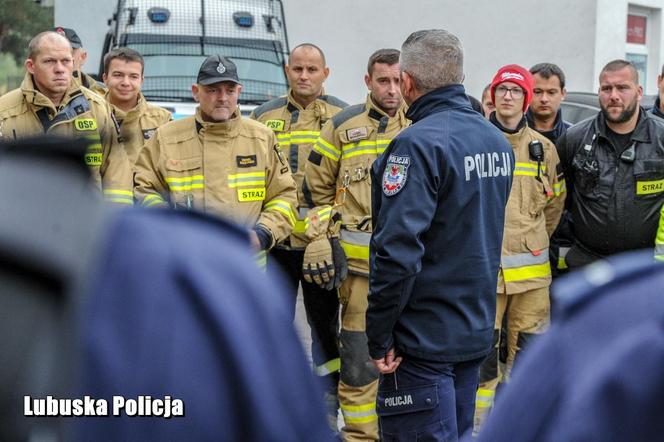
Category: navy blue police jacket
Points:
column 596, row 375
column 438, row 199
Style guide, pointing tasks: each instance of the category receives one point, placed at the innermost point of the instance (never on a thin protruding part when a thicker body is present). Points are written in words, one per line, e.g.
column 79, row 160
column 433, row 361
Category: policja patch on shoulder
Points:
column 396, row 174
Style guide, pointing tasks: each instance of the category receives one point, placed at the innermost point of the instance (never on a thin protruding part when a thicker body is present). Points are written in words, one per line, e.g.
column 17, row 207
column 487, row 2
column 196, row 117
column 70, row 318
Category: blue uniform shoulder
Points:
column 347, row 114
column 270, row 105
column 334, row 101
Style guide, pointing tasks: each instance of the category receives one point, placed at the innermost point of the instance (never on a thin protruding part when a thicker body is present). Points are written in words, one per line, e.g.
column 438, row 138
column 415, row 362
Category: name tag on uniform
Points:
column 147, row 133
column 649, row 187
column 247, row 195
column 93, row 159
column 276, row 125
column 356, row 134
column 85, row 124
column 246, row 160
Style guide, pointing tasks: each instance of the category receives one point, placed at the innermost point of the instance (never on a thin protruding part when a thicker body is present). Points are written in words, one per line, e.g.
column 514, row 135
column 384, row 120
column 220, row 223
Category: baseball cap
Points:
column 216, row 69
column 517, row 75
column 71, row 35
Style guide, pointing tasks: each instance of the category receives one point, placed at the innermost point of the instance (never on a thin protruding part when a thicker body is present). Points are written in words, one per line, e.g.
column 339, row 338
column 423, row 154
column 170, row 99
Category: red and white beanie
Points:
column 517, row 75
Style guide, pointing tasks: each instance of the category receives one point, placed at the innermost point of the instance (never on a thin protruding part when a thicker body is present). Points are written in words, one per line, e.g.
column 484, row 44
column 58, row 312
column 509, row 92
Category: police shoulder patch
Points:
column 396, row 174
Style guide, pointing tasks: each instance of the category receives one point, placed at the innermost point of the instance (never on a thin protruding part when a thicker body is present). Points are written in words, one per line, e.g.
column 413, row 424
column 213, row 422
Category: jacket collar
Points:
column 438, row 100
column 559, row 125
column 641, row 131
column 35, row 98
column 519, row 127
column 227, row 128
column 655, row 110
column 132, row 114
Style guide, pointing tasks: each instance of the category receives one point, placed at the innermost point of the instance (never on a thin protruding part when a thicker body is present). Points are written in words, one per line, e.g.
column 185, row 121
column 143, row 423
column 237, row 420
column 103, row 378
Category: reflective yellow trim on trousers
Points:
column 331, row 366
column 355, row 251
column 283, row 207
column 247, row 179
column 375, row 147
column 326, row 149
column 119, row 196
column 359, row 414
column 261, row 259
column 153, row 200
column 527, row 272
column 484, row 398
column 179, row 184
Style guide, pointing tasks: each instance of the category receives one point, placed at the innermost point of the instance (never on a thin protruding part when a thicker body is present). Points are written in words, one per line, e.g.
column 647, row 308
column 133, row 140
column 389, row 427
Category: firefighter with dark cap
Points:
column 80, row 57
column 219, row 162
column 48, row 101
column 338, row 187
column 533, row 211
column 296, row 120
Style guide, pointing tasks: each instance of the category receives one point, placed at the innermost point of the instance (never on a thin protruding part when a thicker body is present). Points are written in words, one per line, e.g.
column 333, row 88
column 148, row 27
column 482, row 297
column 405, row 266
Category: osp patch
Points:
column 396, row 174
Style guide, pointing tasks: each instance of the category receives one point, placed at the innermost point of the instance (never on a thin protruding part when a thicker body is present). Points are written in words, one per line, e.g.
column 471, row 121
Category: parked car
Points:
column 578, row 106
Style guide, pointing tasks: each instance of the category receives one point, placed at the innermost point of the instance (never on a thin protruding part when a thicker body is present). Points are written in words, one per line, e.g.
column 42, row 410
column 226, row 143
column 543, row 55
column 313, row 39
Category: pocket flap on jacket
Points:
column 407, row 400
column 184, row 165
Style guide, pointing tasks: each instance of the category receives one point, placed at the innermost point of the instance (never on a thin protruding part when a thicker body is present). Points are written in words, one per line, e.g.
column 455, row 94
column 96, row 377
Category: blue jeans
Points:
column 427, row 400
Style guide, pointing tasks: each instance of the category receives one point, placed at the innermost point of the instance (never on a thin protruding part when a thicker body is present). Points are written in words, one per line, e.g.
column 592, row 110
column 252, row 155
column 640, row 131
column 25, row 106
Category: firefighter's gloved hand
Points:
column 340, row 265
column 318, row 263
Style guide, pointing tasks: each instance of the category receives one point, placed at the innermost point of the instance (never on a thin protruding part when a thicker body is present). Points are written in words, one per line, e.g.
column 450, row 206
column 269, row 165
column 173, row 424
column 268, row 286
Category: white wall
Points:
column 493, row 34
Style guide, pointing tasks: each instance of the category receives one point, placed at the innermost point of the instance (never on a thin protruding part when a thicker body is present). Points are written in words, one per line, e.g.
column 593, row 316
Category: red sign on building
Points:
column 636, row 29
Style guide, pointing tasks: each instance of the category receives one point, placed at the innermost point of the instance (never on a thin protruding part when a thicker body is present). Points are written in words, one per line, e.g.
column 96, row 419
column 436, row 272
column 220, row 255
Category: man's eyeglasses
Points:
column 515, row 92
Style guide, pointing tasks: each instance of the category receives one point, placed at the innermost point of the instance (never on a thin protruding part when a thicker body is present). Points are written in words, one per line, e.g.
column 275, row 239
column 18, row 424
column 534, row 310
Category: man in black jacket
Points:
column 438, row 204
column 614, row 168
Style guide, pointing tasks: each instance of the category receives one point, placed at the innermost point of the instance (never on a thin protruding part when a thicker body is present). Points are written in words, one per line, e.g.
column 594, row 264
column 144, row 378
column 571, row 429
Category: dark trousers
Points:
column 427, row 400
column 321, row 306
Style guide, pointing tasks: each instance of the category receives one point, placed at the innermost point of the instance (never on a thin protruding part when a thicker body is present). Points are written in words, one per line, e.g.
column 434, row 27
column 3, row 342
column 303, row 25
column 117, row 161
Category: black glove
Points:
column 340, row 265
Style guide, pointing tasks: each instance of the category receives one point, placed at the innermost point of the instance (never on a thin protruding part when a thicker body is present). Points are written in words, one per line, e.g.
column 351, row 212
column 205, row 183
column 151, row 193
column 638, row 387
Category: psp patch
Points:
column 396, row 174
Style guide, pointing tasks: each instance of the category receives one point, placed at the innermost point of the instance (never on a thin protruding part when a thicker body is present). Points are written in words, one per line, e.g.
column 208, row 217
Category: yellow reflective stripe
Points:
column 484, row 398
column 282, row 207
column 247, row 179
column 649, row 187
column 153, row 200
column 326, row 149
column 527, row 272
column 560, row 187
column 119, row 196
column 359, row 414
column 528, row 169
column 298, row 137
column 375, row 147
column 185, row 179
column 186, row 182
column 562, row 264
column 354, row 251
column 261, row 259
column 330, row 366
column 300, row 226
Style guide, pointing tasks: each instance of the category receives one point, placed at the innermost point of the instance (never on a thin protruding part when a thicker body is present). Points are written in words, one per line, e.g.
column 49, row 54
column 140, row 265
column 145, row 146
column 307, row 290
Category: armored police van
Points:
column 175, row 36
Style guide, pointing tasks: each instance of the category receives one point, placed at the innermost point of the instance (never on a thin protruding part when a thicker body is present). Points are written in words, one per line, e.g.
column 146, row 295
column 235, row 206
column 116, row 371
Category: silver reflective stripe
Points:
column 357, row 238
column 562, row 252
column 302, row 212
column 524, row 259
column 659, row 250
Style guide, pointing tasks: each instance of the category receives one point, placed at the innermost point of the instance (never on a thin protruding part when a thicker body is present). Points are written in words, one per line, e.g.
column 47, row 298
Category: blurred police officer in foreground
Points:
column 219, row 162
column 48, row 101
column 123, row 75
column 597, row 373
column 134, row 303
column 439, row 194
column 338, row 185
column 296, row 120
column 614, row 167
column 80, row 57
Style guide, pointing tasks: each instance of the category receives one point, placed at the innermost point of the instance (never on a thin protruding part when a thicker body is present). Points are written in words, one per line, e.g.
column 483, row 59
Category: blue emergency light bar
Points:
column 243, row 19
column 159, row 15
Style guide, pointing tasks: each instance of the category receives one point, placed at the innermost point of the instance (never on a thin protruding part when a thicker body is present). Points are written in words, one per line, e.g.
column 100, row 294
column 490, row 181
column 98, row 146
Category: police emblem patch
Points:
column 396, row 174
column 221, row 68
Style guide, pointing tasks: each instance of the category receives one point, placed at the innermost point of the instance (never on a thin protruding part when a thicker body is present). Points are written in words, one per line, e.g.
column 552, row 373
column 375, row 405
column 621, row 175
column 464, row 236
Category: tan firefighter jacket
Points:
column 26, row 112
column 297, row 130
column 532, row 214
column 85, row 80
column 138, row 124
column 234, row 169
column 337, row 172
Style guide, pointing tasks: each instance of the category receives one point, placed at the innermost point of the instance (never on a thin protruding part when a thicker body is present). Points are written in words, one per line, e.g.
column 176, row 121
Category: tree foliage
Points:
column 20, row 20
